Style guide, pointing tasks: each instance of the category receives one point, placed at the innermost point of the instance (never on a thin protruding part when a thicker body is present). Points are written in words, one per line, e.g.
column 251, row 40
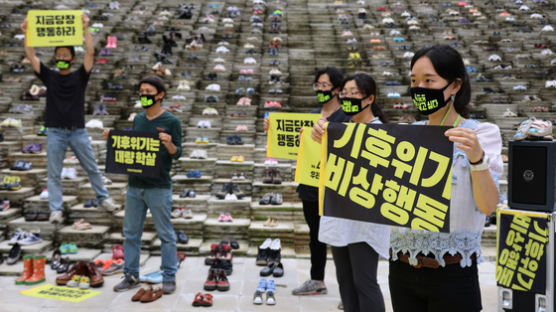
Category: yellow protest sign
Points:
column 49, row 291
column 50, row 28
column 283, row 132
column 308, row 160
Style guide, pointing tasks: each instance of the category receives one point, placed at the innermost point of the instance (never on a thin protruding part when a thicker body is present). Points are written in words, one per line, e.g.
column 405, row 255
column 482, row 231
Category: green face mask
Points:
column 63, row 64
column 147, row 100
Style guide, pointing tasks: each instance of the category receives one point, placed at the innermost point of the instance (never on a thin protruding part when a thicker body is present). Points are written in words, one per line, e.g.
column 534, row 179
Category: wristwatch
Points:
column 481, row 165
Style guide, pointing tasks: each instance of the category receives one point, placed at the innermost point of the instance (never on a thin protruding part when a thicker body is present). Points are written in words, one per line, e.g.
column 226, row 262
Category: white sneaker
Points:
column 64, row 173
column 56, row 217
column 106, row 181
column 71, row 173
column 44, row 194
column 94, row 123
column 213, row 87
column 230, row 197
column 108, row 204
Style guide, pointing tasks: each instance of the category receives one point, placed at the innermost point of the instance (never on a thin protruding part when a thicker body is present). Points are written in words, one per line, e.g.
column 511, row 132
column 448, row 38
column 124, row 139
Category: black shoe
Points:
column 182, row 237
column 184, row 194
column 235, row 190
column 56, row 260
column 278, row 270
column 267, row 270
column 64, row 266
column 234, row 244
column 14, row 254
column 224, row 191
column 266, row 199
column 88, row 203
column 487, row 221
column 230, row 140
column 128, row 283
column 1, row 258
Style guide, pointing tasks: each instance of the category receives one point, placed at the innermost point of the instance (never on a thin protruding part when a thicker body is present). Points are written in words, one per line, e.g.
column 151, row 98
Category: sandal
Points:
column 198, row 300
column 207, row 300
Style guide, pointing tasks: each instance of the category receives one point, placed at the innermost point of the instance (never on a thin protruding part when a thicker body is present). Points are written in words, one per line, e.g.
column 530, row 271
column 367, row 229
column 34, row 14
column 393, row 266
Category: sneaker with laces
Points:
column 56, row 217
column 310, row 287
column 261, row 289
column 128, row 283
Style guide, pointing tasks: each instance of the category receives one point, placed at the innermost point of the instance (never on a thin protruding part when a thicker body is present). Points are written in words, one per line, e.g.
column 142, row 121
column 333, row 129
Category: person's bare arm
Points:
column 30, row 51
column 89, row 59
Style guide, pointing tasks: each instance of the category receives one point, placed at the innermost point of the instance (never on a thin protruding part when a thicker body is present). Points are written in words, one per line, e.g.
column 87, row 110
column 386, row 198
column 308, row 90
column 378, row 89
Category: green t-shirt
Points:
column 172, row 126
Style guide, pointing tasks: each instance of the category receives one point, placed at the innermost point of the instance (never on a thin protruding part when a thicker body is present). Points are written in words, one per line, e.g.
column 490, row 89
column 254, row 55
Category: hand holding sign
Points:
column 85, row 20
column 318, row 130
column 468, row 142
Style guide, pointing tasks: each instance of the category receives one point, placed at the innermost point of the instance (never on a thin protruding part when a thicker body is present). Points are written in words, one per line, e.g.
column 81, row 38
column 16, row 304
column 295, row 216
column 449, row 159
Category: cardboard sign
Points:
column 49, row 291
column 49, row 28
column 283, row 132
column 388, row 174
column 521, row 245
column 308, row 160
column 133, row 153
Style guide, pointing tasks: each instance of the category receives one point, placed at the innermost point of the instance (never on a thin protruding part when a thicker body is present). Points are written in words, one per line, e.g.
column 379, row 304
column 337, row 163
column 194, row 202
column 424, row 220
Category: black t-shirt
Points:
column 65, row 97
column 311, row 193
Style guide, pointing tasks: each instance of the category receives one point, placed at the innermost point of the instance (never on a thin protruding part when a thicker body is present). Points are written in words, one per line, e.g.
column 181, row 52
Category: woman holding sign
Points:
column 327, row 85
column 356, row 245
column 431, row 271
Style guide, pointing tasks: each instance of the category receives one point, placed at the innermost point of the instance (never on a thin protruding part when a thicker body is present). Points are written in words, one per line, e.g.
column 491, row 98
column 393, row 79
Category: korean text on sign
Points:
column 521, row 250
column 395, row 178
column 54, row 28
column 283, row 133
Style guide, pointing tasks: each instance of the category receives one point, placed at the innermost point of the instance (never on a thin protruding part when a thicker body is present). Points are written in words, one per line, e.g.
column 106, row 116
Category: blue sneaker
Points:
column 270, row 291
column 261, row 289
column 153, row 277
column 32, row 238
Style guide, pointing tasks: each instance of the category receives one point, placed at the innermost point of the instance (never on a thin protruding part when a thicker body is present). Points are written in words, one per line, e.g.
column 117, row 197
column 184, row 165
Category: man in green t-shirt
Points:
column 154, row 194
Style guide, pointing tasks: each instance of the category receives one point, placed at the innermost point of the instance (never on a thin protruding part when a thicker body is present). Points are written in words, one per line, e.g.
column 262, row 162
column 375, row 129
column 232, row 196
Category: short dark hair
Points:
column 71, row 48
column 448, row 63
column 367, row 85
column 155, row 81
column 335, row 75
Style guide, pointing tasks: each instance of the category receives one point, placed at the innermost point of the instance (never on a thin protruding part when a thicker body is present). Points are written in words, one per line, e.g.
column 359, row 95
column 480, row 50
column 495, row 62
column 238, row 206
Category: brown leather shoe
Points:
column 139, row 294
column 151, row 295
column 77, row 269
column 96, row 277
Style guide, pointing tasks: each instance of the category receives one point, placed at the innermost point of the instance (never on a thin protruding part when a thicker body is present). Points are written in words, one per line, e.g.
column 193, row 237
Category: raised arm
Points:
column 29, row 51
column 89, row 60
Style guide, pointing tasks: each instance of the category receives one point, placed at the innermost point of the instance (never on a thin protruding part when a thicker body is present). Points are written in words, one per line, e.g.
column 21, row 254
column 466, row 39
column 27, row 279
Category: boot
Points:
column 108, row 42
column 27, row 270
column 276, row 178
column 267, row 178
column 114, row 41
column 38, row 271
column 223, row 192
column 235, row 190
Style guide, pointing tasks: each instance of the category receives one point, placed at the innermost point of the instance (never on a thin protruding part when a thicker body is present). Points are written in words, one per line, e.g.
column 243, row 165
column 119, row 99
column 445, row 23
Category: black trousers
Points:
column 356, row 266
column 318, row 249
column 450, row 288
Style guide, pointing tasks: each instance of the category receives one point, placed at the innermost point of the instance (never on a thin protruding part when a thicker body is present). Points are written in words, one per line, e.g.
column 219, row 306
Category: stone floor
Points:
column 243, row 281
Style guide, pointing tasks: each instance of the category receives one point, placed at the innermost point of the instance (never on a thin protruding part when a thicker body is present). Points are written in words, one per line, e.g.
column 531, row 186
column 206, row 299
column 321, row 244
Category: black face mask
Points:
column 147, row 100
column 324, row 96
column 428, row 100
column 63, row 64
column 352, row 106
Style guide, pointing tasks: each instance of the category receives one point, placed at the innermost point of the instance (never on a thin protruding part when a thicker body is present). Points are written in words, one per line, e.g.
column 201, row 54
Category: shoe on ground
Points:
column 56, row 217
column 168, row 287
column 129, row 282
column 108, row 204
column 270, row 291
column 261, row 289
column 310, row 287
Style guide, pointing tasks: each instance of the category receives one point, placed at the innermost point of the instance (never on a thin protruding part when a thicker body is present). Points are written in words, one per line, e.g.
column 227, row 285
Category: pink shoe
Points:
column 276, row 104
column 222, row 218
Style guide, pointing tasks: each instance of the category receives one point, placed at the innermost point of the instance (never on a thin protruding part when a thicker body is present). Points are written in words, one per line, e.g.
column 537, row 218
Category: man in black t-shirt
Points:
column 65, row 119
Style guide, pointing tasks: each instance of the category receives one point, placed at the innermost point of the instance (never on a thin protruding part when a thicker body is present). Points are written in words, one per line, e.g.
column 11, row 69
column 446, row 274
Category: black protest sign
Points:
column 133, row 153
column 521, row 256
column 388, row 174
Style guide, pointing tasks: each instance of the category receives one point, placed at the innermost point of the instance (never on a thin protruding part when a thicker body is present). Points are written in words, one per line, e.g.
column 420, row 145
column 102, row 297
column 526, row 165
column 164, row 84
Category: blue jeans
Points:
column 57, row 142
column 159, row 201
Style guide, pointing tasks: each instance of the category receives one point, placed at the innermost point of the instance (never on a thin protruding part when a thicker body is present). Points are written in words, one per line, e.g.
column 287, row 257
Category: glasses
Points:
column 351, row 94
column 321, row 86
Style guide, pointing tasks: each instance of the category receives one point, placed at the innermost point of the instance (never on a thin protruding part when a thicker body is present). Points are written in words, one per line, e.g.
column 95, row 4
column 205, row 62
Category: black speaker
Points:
column 531, row 174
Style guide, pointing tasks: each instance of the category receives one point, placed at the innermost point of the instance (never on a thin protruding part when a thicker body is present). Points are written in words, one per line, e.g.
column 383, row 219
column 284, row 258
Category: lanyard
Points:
column 446, row 115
